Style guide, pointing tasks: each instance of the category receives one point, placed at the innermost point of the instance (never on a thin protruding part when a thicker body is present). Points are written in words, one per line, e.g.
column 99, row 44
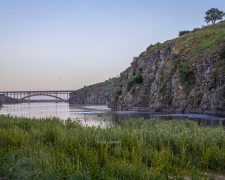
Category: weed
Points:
column 118, row 92
column 147, row 149
column 162, row 88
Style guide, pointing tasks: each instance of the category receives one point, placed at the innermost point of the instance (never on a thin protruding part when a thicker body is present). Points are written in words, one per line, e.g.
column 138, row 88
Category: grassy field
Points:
column 138, row 149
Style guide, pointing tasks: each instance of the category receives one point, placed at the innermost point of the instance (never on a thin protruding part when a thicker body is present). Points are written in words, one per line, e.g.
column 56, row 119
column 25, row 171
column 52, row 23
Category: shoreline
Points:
column 214, row 111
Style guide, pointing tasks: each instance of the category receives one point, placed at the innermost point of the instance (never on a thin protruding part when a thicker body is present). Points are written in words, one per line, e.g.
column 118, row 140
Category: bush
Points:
column 195, row 29
column 138, row 78
column 118, row 93
column 185, row 74
column 163, row 88
column 130, row 83
column 172, row 72
column 187, row 78
column 116, row 98
column 181, row 33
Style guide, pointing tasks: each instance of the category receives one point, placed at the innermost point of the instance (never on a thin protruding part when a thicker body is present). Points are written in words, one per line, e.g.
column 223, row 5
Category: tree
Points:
column 213, row 15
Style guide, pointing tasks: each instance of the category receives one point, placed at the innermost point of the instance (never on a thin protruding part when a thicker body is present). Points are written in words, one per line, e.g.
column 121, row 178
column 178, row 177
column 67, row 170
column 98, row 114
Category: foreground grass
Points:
column 138, row 149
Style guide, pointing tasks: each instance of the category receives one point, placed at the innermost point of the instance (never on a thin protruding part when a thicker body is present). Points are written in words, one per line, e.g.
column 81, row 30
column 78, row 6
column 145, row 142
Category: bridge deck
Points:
column 66, row 91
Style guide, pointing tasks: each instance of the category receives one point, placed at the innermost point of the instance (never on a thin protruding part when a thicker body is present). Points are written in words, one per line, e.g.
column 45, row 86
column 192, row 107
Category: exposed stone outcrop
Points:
column 7, row 100
column 177, row 77
column 89, row 97
column 94, row 94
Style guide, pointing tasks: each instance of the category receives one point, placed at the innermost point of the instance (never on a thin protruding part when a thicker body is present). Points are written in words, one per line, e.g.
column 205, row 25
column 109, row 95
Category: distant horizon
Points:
column 57, row 45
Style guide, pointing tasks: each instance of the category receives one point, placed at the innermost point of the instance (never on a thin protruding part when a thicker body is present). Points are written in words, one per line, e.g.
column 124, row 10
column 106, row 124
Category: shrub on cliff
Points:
column 195, row 29
column 181, row 33
column 118, row 93
column 138, row 78
column 187, row 78
column 130, row 83
column 116, row 98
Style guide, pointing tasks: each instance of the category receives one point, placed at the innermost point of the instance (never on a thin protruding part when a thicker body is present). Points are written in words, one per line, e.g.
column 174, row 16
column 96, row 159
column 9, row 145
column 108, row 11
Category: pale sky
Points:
column 66, row 44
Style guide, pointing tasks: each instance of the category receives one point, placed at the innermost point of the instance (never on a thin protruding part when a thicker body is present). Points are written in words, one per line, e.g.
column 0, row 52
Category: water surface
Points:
column 99, row 114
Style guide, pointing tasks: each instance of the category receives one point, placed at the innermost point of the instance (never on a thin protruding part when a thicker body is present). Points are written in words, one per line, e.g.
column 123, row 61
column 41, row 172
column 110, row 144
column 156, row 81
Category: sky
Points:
column 67, row 44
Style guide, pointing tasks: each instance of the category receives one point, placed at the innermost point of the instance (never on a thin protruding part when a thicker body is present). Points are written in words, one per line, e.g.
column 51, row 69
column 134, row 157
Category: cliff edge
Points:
column 93, row 94
column 186, row 74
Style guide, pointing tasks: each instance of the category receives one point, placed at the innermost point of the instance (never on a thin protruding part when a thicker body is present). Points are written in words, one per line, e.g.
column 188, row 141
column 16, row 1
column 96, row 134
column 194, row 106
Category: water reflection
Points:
column 98, row 115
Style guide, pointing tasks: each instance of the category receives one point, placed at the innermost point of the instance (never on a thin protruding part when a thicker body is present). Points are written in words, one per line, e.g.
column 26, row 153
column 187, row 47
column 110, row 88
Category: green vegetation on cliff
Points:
column 200, row 44
column 140, row 149
column 93, row 94
column 175, row 71
column 107, row 85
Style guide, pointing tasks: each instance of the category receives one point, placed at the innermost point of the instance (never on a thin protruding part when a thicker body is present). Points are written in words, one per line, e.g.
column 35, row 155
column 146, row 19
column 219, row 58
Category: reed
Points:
column 49, row 148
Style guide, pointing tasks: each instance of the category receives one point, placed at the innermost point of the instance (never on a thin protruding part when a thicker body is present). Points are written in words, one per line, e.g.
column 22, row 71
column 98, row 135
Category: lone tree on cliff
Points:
column 213, row 15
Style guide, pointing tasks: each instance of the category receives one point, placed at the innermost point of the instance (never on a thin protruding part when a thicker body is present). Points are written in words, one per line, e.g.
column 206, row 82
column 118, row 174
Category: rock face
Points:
column 176, row 76
column 94, row 94
column 7, row 100
column 89, row 97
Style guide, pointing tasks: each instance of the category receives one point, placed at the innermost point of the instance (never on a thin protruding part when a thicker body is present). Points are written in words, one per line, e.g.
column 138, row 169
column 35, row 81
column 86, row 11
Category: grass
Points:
column 49, row 148
column 198, row 45
column 107, row 85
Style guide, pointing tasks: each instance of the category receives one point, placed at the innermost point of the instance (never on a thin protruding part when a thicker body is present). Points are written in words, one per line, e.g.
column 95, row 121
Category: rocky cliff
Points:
column 186, row 74
column 7, row 100
column 94, row 94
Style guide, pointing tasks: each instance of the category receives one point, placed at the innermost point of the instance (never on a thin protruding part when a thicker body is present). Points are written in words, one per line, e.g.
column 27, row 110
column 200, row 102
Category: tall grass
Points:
column 49, row 148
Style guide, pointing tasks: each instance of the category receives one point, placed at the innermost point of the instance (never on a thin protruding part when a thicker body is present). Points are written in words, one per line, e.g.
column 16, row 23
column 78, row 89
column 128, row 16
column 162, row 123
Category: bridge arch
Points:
column 42, row 95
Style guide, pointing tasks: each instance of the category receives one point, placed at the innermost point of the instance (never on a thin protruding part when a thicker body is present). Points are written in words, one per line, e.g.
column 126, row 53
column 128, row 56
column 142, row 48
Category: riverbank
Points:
column 142, row 149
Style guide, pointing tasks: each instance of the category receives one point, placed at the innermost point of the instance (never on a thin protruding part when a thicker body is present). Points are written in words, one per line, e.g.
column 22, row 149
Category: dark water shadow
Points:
column 202, row 119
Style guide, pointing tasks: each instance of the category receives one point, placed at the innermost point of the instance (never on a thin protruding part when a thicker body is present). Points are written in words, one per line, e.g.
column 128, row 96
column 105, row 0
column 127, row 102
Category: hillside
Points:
column 93, row 94
column 185, row 74
column 7, row 100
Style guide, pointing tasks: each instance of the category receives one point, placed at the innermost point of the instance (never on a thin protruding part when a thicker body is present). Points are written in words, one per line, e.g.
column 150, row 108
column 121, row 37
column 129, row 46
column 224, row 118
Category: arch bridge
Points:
column 21, row 95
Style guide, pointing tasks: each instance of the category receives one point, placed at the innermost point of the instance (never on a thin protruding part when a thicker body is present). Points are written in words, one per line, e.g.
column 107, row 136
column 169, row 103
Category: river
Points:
column 98, row 114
